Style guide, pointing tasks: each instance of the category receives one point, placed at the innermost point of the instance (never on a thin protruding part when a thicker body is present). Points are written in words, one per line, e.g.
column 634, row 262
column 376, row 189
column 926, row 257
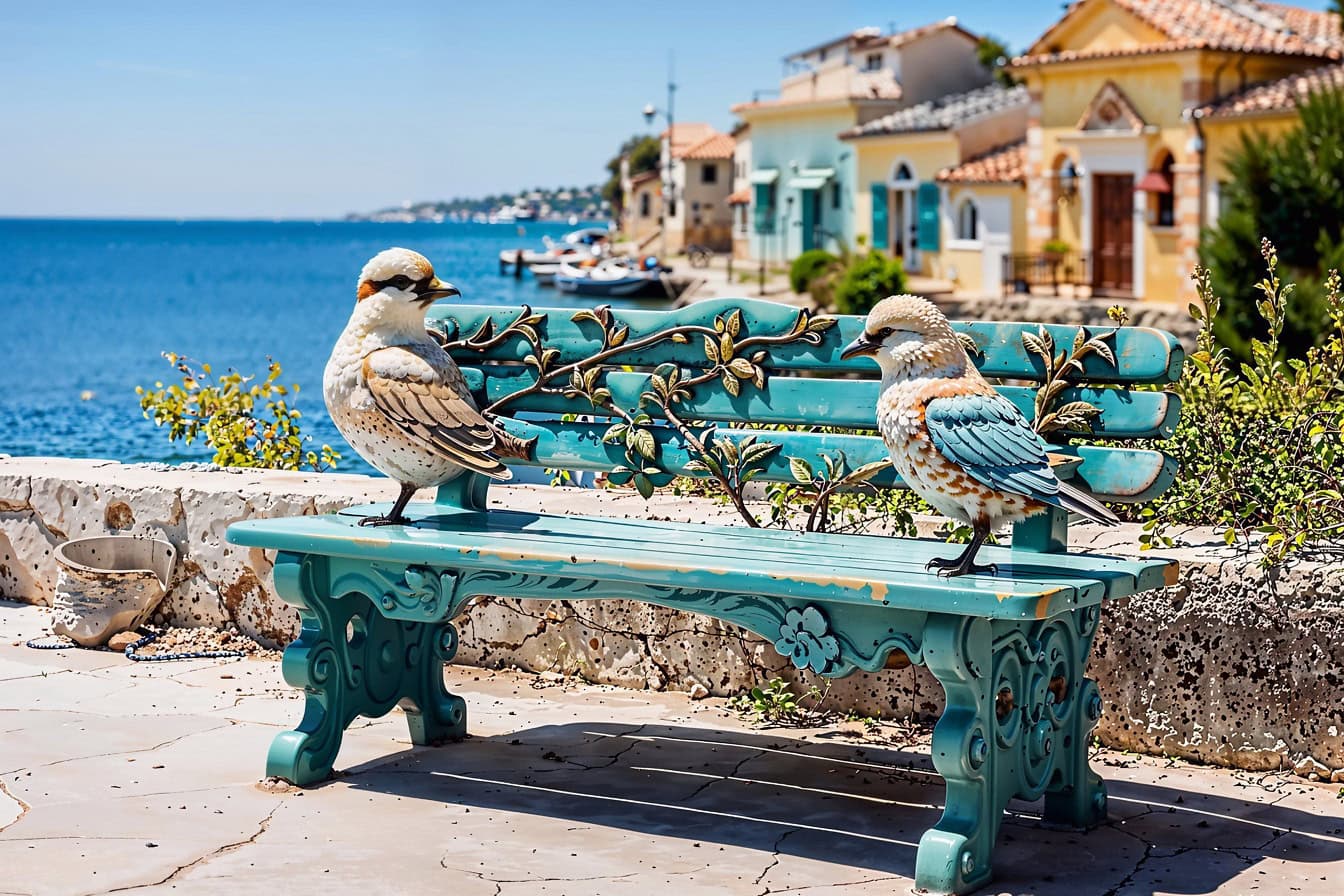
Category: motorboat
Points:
column 577, row 245
column 613, row 277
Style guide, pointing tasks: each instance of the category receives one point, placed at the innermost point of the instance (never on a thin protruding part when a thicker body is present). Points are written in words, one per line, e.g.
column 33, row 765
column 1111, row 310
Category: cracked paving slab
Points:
column 119, row 778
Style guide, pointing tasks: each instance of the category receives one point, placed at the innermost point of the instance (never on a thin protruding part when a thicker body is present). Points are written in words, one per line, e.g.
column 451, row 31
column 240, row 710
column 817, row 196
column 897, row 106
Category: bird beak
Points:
column 860, row 347
column 437, row 289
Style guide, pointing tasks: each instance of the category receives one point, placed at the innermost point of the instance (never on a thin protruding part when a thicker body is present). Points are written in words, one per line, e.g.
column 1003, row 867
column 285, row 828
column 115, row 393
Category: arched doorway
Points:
column 902, row 222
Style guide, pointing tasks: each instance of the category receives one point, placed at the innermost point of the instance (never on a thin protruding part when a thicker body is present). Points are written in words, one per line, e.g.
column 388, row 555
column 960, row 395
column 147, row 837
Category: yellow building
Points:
column 1133, row 104
column 940, row 184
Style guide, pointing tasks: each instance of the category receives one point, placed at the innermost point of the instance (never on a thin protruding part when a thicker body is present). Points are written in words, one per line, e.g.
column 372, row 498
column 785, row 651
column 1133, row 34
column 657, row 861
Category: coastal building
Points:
column 804, row 177
column 641, row 214
column 698, row 211
column 940, row 184
column 1133, row 106
column 739, row 200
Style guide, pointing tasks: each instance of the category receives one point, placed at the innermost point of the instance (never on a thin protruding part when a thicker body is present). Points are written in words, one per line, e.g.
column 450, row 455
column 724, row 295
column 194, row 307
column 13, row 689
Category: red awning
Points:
column 1153, row 182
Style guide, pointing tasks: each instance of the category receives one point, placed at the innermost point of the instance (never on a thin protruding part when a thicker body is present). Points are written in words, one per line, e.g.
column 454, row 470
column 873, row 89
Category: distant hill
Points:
column 557, row 204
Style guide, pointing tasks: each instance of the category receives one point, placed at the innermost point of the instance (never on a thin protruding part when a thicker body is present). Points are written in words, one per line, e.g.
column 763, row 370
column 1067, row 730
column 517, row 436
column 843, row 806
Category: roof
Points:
column 716, row 146
column 1282, row 95
column 687, row 133
column 945, row 112
column 643, row 177
column 740, row 197
column 1001, row 165
column 1238, row 26
column 872, row 38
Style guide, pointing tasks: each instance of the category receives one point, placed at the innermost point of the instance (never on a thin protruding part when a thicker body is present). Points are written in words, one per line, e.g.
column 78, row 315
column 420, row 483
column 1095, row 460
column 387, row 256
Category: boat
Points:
column 614, row 277
column 577, row 245
column 544, row 271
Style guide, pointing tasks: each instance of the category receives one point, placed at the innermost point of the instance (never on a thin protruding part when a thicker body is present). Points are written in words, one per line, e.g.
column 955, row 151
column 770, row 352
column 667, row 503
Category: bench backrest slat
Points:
column 1143, row 355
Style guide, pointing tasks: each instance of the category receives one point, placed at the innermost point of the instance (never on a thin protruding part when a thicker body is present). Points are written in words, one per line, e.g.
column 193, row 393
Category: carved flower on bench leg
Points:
column 804, row 639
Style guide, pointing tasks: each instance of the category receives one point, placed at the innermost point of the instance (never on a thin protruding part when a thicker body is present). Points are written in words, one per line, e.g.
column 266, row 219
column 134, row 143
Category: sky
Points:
column 289, row 109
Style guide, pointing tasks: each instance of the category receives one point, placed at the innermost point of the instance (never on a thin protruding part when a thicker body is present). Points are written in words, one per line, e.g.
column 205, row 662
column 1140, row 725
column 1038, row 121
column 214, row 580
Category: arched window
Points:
column 968, row 220
column 902, row 175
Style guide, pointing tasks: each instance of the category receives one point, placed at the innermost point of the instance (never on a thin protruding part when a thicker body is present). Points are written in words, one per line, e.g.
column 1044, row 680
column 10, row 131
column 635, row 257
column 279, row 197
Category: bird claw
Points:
column 949, row 569
column 384, row 521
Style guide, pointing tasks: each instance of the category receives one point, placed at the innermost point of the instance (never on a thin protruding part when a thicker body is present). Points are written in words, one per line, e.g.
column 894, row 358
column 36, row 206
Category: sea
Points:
column 88, row 308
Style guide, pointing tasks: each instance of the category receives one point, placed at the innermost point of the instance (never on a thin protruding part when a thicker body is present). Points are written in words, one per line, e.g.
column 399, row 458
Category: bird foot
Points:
column 949, row 568
column 385, row 521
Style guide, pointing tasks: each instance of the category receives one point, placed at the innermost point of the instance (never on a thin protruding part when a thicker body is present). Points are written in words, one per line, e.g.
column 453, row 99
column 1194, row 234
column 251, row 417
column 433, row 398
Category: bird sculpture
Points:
column 394, row 393
column 956, row 442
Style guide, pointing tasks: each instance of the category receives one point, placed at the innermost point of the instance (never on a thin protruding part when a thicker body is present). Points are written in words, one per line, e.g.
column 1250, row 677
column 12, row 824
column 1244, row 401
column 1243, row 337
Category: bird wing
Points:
column 433, row 408
column 987, row 436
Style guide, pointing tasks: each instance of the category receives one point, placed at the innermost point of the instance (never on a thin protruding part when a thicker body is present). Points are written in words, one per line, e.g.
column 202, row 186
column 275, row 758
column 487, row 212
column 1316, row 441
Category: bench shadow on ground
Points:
column 857, row 805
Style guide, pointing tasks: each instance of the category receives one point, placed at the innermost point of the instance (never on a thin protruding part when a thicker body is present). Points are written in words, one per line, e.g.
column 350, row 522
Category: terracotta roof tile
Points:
column 1240, row 26
column 740, row 197
column 1275, row 96
column 716, row 146
column 1001, row 165
column 945, row 112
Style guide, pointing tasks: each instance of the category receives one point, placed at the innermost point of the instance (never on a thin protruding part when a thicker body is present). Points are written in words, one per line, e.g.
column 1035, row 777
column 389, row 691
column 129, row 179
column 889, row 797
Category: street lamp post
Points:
column 669, row 189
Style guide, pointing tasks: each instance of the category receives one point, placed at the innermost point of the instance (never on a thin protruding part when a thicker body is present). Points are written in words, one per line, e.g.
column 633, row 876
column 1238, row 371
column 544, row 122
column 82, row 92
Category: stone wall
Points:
column 1233, row 665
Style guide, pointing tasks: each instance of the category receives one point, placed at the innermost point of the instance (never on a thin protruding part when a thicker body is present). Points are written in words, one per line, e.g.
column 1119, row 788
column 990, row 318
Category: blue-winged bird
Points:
column 955, row 441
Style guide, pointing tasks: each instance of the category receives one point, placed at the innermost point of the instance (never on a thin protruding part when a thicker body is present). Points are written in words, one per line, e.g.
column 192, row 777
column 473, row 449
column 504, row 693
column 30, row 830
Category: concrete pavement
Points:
column 144, row 778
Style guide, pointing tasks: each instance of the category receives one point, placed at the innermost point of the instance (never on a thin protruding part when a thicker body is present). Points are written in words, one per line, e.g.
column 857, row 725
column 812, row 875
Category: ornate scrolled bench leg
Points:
column 954, row 855
column 350, row 660
column 1077, row 795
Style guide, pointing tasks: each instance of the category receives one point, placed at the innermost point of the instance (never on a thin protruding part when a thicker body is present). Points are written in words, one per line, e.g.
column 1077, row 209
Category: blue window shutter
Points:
column 763, row 202
column 879, row 216
column 927, row 205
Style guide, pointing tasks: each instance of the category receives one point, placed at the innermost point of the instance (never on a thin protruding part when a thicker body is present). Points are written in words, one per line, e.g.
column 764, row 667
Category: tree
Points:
column 993, row 54
column 1291, row 191
column 644, row 152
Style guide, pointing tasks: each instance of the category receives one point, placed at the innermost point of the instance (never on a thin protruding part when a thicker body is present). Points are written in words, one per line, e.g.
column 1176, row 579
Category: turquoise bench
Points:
column 1010, row 649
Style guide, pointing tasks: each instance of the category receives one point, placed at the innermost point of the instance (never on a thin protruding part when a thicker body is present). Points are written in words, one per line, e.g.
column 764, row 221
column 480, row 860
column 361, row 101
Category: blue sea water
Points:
column 90, row 306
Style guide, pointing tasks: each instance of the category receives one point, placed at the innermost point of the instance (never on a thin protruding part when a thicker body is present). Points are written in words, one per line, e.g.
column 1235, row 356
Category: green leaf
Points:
column 800, row 470
column 644, row 443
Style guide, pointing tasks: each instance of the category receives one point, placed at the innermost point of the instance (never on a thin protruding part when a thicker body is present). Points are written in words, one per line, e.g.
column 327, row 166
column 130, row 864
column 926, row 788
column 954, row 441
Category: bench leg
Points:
column 1076, row 795
column 1019, row 713
column 352, row 661
column 954, row 855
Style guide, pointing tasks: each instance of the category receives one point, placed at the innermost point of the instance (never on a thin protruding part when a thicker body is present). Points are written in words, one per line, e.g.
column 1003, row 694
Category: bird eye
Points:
column 882, row 334
column 401, row 281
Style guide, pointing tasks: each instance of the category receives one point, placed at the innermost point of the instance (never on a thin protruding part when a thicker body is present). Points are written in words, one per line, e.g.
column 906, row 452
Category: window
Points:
column 709, row 173
column 1166, row 202
column 968, row 220
column 835, row 194
column 873, row 62
column 821, row 56
column 644, row 205
column 903, row 175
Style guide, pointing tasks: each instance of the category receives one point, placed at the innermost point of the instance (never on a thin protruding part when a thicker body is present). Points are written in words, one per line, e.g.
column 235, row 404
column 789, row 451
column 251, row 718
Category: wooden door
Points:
column 1113, row 233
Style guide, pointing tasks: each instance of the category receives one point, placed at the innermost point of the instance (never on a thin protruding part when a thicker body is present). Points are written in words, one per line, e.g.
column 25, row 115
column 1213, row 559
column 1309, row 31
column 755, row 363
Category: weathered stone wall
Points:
column 1233, row 665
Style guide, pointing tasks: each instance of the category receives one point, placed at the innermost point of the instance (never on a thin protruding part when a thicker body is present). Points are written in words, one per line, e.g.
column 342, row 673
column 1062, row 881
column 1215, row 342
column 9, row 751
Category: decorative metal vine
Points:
column 736, row 360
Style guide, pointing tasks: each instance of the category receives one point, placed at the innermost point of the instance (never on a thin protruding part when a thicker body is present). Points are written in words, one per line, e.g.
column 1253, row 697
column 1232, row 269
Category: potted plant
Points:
column 1055, row 250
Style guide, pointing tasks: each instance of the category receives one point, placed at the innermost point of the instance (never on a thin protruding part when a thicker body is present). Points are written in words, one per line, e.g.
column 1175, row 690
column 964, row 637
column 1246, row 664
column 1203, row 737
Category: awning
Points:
column 765, row 175
column 811, row 178
column 1153, row 182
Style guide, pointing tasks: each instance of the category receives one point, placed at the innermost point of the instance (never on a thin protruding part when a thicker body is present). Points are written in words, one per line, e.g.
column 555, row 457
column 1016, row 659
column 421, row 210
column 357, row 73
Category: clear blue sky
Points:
column 311, row 109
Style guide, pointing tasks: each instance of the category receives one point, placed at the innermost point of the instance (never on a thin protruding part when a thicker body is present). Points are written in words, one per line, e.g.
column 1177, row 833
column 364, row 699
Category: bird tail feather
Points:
column 1083, row 504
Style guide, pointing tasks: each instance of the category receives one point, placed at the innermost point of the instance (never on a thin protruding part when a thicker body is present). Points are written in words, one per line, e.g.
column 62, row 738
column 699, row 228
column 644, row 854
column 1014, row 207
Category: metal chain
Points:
column 149, row 636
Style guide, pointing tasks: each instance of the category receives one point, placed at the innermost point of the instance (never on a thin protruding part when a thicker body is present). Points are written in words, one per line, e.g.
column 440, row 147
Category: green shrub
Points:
column 1292, row 187
column 249, row 424
column 868, row 280
column 1261, row 445
column 809, row 265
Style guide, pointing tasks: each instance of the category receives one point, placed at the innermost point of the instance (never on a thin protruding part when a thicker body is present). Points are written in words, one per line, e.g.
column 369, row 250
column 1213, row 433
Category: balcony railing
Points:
column 1035, row 270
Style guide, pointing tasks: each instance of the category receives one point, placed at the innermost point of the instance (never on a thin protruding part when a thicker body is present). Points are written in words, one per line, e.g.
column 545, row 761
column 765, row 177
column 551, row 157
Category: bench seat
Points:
column 788, row 565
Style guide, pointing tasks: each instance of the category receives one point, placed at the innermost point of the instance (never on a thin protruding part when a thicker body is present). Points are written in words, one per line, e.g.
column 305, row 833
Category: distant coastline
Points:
column 561, row 204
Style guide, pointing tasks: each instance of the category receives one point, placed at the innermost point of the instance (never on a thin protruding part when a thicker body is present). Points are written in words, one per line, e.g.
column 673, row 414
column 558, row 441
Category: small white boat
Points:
column 615, row 277
column 577, row 245
column 544, row 272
